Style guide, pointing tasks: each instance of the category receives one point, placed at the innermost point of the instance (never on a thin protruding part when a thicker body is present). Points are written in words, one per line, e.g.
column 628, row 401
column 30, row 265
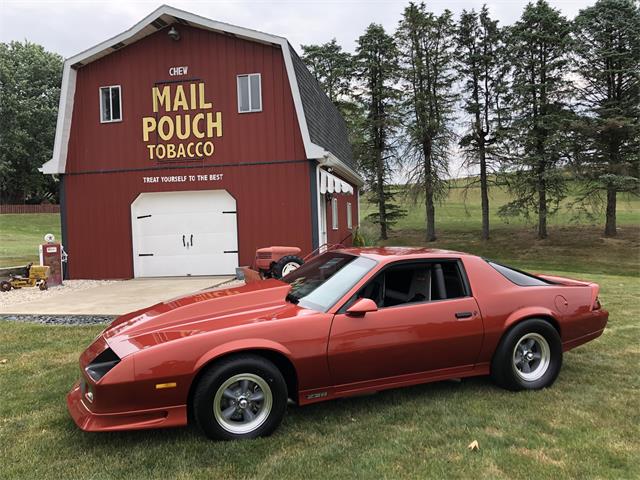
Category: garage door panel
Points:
column 191, row 223
column 224, row 264
column 206, row 201
column 184, row 233
column 183, row 245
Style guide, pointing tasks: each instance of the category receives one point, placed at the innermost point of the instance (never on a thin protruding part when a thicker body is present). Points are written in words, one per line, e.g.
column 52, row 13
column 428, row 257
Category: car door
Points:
column 418, row 326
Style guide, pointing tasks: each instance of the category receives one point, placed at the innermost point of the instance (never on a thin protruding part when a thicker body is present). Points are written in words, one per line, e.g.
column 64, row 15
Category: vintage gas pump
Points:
column 51, row 254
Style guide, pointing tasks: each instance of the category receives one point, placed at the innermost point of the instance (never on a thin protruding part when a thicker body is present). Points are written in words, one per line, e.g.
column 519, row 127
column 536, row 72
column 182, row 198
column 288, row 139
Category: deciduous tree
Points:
column 29, row 91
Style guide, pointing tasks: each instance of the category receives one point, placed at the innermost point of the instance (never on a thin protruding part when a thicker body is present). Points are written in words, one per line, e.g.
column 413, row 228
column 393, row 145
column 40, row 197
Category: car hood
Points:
column 200, row 312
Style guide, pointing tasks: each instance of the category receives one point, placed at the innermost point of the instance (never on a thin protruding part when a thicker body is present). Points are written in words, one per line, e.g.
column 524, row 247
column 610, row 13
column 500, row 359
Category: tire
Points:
column 43, row 285
column 5, row 286
column 529, row 356
column 286, row 265
column 223, row 412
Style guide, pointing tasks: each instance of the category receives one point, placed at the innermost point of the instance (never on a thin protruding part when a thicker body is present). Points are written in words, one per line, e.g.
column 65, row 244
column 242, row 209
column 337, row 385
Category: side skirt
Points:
column 306, row 397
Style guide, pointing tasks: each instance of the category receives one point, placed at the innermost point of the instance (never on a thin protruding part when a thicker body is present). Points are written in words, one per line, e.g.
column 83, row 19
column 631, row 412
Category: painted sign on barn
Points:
column 186, row 126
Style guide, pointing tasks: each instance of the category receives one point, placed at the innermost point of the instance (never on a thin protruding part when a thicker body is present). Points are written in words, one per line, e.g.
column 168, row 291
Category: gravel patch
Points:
column 28, row 294
column 70, row 320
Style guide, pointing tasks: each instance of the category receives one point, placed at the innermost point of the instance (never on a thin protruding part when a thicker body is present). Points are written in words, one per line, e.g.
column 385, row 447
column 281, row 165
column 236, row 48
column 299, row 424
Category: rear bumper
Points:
column 137, row 420
column 598, row 320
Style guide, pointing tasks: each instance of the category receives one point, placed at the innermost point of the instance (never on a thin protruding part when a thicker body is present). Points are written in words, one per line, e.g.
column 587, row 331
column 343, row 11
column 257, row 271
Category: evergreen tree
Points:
column 376, row 72
column 539, row 47
column 332, row 67
column 481, row 66
column 607, row 60
column 427, row 52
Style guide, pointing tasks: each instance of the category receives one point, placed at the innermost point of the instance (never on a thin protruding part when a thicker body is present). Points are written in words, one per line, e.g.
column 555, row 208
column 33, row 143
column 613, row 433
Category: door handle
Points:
column 464, row 315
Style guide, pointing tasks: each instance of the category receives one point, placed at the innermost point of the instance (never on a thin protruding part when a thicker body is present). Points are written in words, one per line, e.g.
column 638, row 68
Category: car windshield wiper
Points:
column 292, row 298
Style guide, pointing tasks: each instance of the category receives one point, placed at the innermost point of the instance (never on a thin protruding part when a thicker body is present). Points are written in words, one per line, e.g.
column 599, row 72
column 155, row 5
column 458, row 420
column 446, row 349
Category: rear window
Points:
column 518, row 277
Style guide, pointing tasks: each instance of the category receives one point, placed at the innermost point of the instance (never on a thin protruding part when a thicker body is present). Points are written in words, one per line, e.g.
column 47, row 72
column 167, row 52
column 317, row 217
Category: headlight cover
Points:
column 101, row 365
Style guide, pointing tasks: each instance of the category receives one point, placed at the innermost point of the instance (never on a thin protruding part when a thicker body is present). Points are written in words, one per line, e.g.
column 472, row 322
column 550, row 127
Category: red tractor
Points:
column 276, row 262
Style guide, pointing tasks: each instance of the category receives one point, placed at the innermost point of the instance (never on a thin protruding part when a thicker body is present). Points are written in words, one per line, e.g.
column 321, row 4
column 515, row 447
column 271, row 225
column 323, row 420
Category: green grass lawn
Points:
column 585, row 426
column 20, row 236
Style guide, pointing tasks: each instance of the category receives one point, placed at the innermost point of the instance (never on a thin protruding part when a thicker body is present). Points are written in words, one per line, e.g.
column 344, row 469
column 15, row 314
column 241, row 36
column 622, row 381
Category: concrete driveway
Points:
column 114, row 298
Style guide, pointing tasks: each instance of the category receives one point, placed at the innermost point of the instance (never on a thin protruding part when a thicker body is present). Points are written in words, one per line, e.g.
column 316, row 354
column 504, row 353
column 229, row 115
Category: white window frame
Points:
column 349, row 216
column 249, row 75
column 334, row 213
column 112, row 120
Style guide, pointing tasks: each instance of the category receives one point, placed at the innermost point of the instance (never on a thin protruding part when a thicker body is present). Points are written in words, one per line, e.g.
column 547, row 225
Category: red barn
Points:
column 183, row 144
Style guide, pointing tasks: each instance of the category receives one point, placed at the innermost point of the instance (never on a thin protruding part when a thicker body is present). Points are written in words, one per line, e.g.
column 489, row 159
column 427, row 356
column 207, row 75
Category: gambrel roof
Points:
column 323, row 129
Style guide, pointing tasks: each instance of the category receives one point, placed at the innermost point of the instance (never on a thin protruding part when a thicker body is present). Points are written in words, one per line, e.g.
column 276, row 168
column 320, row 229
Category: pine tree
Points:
column 376, row 72
column 481, row 66
column 539, row 48
column 332, row 67
column 426, row 46
column 607, row 61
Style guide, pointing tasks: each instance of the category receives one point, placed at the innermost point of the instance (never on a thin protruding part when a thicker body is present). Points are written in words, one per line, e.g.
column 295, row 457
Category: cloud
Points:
column 72, row 26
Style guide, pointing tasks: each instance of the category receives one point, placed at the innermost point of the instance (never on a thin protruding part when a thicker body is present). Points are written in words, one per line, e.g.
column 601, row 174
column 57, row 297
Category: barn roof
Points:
column 323, row 129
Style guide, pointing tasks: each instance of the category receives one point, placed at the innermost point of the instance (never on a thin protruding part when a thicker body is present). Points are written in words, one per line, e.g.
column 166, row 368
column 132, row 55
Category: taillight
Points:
column 596, row 304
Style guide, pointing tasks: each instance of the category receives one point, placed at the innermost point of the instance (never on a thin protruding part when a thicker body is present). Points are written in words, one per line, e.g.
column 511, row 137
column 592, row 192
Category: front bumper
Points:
column 137, row 420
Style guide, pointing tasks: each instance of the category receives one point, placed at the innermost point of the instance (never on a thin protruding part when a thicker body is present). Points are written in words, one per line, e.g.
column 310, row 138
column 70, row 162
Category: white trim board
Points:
column 168, row 14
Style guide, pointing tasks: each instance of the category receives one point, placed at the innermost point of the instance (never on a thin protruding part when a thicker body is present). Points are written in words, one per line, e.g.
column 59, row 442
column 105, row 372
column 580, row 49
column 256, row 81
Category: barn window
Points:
column 334, row 213
column 349, row 216
column 110, row 104
column 249, row 93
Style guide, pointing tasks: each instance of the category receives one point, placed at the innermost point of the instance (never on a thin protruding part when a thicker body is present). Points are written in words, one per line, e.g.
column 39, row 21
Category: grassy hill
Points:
column 575, row 242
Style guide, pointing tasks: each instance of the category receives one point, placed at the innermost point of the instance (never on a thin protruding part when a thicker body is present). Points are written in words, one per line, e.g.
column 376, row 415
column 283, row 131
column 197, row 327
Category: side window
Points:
column 414, row 283
column 249, row 93
column 110, row 104
column 349, row 216
column 334, row 213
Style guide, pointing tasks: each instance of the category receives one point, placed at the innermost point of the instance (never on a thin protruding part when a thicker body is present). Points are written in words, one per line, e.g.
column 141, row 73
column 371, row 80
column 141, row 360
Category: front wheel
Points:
column 528, row 357
column 240, row 397
column 5, row 286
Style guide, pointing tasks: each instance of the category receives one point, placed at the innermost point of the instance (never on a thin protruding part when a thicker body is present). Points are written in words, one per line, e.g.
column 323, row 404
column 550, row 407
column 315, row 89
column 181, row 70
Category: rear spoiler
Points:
column 595, row 288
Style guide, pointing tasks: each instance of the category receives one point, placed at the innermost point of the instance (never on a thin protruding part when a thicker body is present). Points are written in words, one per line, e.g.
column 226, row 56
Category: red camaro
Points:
column 347, row 322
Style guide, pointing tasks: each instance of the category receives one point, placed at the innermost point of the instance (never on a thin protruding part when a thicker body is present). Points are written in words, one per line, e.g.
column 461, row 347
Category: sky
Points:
column 68, row 27
column 71, row 26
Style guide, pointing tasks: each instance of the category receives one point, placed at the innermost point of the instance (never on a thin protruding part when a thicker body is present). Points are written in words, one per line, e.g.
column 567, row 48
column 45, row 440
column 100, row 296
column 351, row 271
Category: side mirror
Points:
column 362, row 306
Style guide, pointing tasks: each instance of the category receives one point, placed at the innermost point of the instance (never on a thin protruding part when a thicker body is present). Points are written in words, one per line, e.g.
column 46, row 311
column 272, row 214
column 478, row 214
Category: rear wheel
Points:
column 286, row 265
column 241, row 397
column 528, row 357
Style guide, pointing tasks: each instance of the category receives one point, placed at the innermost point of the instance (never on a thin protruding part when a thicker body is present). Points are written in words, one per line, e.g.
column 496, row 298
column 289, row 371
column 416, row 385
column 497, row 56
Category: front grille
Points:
column 264, row 255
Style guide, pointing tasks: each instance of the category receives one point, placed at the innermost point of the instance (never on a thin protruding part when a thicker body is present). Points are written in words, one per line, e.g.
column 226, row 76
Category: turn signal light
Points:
column 160, row 386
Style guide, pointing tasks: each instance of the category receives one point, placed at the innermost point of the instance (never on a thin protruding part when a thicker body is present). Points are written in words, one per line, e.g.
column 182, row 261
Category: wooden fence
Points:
column 44, row 208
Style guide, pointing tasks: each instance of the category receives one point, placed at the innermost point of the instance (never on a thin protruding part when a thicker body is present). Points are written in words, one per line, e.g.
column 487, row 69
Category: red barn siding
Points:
column 272, row 210
column 216, row 59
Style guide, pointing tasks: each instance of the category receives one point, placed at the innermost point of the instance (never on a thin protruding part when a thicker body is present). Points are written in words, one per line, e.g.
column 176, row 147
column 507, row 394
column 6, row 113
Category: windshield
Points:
column 320, row 283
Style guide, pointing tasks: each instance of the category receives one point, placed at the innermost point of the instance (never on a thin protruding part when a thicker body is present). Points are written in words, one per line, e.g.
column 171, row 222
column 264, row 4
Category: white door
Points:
column 184, row 233
column 323, row 223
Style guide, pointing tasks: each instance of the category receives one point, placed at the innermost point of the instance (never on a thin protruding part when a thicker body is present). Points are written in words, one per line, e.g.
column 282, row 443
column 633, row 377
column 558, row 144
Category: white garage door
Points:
column 184, row 233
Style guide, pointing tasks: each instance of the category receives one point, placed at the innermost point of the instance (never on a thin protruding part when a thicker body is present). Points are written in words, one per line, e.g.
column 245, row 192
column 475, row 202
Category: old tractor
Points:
column 276, row 262
column 28, row 276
